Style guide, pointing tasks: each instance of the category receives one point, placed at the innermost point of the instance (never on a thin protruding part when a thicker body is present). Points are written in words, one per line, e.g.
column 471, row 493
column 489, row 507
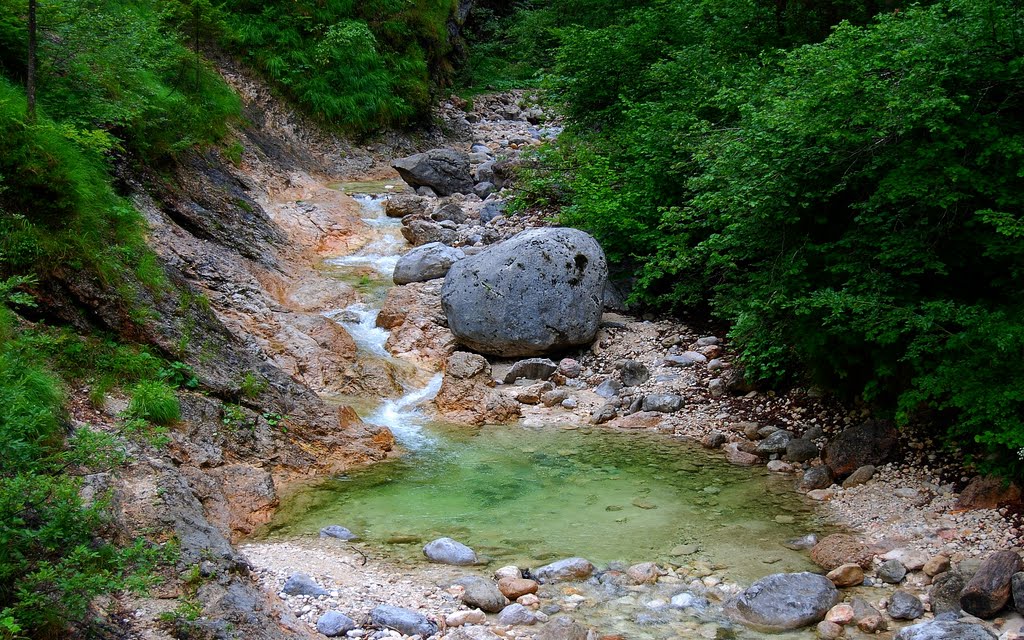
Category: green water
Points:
column 529, row 496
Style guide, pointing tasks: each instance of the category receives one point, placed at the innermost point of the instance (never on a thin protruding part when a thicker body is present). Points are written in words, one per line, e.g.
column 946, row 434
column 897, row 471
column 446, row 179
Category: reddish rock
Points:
column 513, row 588
column 987, row 493
column 838, row 549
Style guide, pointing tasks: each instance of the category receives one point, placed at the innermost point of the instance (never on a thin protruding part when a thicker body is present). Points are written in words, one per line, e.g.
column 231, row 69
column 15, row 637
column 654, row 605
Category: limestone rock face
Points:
column 445, row 171
column 540, row 291
column 466, row 395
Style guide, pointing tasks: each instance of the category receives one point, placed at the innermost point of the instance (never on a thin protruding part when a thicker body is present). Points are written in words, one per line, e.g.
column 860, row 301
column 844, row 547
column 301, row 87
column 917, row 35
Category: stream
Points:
column 531, row 495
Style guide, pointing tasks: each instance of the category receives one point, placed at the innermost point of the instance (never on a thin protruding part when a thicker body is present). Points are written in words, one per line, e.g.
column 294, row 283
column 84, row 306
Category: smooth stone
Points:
column 944, row 630
column 300, row 584
column 426, row 262
column 784, row 601
column 840, row 614
column 936, row 565
column 829, row 630
column 801, row 450
column 516, row 614
column 567, row 570
column 774, row 444
column 944, row 593
column 686, row 359
column 510, row 571
column 860, row 476
column 801, row 543
column 816, row 478
column 892, row 572
column 608, row 389
column 482, row 594
column 868, row 618
column 847, row 575
column 459, row 618
column 663, row 402
column 448, row 551
column 337, row 531
column 634, row 373
column 402, row 620
column 538, row 292
column 513, row 588
column 643, row 573
column 872, row 442
column 912, row 559
column 334, row 623
column 532, row 369
column 905, row 606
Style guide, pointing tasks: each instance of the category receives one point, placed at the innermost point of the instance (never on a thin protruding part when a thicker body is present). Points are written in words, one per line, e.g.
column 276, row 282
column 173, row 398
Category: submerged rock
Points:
column 337, row 531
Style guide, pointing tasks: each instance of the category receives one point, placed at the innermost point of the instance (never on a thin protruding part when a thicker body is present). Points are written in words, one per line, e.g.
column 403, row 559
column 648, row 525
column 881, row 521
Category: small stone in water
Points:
column 643, row 503
column 684, row 550
column 782, row 519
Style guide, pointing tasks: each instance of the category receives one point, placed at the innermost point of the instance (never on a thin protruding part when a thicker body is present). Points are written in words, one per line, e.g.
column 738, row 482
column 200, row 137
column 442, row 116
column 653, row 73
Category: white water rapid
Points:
column 403, row 415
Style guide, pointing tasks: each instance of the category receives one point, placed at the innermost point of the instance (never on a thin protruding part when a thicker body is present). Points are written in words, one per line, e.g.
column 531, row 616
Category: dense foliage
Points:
column 54, row 559
column 360, row 65
column 851, row 205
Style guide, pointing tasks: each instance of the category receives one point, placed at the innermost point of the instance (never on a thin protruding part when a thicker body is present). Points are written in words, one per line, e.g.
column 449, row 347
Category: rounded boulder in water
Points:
column 448, row 551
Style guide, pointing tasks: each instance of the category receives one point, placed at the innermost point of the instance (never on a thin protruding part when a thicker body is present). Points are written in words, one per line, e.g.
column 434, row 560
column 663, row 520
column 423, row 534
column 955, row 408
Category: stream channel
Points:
column 531, row 495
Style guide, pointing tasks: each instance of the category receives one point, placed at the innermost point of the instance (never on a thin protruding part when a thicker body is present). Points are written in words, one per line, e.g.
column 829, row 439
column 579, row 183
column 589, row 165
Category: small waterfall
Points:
column 360, row 320
column 403, row 415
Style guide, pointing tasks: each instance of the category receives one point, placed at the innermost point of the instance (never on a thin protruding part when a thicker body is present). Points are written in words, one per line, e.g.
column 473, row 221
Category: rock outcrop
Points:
column 466, row 395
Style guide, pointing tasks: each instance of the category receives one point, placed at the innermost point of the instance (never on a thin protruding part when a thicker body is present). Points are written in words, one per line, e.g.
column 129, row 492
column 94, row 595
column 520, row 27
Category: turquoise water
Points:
column 528, row 496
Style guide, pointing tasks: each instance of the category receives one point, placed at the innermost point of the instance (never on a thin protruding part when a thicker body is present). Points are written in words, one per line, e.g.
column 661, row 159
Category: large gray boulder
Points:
column 426, row 262
column 446, row 171
column 402, row 620
column 784, row 601
column 537, row 292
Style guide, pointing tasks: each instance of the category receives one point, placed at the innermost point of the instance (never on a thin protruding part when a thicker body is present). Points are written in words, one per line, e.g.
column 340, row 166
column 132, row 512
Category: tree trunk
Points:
column 30, row 80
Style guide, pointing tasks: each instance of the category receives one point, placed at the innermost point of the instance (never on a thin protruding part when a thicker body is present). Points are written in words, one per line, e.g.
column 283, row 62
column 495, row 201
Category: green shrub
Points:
column 851, row 207
column 53, row 559
column 359, row 65
column 252, row 385
column 155, row 401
